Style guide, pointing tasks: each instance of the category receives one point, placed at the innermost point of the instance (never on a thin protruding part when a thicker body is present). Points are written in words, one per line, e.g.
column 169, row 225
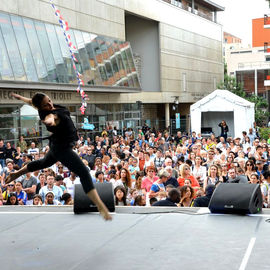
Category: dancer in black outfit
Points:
column 64, row 135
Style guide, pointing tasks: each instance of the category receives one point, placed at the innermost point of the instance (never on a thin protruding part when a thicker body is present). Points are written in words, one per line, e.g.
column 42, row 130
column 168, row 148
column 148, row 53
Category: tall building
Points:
column 249, row 64
column 231, row 39
column 142, row 61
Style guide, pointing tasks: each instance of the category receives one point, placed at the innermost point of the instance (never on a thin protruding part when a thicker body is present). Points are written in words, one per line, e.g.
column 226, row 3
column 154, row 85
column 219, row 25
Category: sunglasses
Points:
column 248, row 164
column 10, row 185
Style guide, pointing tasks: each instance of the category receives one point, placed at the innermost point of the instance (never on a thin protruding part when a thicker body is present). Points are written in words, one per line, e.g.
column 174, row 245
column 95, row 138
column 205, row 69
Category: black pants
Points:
column 67, row 157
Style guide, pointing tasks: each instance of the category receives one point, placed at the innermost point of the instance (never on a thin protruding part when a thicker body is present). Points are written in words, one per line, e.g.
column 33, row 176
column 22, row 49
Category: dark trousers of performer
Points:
column 70, row 159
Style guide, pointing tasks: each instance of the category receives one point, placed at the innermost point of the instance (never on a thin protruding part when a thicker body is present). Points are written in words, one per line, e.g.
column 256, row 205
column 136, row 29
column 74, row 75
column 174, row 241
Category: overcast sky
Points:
column 238, row 15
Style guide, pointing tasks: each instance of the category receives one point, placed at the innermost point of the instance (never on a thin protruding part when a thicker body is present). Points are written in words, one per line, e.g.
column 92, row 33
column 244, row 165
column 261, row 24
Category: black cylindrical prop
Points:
column 236, row 199
column 83, row 204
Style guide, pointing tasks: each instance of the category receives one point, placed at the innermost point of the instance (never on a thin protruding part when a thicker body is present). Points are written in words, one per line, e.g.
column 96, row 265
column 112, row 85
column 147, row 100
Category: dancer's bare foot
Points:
column 105, row 213
column 11, row 177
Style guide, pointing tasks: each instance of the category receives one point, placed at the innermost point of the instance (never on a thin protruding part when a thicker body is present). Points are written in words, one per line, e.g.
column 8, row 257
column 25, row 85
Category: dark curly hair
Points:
column 37, row 99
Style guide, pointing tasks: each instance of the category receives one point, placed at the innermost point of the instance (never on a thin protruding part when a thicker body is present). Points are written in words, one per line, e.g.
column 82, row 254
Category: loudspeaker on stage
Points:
column 83, row 204
column 236, row 198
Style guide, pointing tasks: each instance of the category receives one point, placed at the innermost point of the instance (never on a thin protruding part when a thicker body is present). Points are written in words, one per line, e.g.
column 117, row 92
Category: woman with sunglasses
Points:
column 249, row 168
column 10, row 189
column 224, row 173
column 64, row 137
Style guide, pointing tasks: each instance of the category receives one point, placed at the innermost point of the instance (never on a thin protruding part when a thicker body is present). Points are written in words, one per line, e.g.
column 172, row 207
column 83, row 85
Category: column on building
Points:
column 167, row 115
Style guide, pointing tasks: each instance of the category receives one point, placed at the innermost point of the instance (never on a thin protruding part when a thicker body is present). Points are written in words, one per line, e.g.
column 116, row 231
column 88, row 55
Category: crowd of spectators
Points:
column 150, row 168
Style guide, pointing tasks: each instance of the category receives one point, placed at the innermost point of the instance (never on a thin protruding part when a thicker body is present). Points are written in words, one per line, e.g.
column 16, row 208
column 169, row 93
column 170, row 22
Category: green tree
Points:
column 261, row 104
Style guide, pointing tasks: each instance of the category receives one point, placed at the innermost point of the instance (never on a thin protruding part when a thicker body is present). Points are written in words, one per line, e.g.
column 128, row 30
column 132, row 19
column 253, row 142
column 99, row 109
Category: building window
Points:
column 177, row 3
column 37, row 52
column 184, row 82
column 195, row 11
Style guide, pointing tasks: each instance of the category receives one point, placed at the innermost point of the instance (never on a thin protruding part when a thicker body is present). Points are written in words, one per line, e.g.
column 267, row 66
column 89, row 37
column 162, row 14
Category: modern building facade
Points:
column 251, row 65
column 142, row 61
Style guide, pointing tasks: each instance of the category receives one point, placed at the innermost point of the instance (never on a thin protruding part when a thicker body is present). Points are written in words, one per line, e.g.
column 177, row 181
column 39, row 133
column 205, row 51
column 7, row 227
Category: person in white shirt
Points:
column 70, row 183
column 199, row 171
column 33, row 149
column 57, row 191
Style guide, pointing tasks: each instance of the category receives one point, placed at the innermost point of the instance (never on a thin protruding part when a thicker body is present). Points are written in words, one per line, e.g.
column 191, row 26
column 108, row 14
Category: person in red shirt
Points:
column 141, row 160
column 186, row 174
column 150, row 178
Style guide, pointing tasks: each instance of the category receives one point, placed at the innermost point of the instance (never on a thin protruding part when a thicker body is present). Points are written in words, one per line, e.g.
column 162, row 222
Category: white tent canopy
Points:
column 27, row 110
column 222, row 105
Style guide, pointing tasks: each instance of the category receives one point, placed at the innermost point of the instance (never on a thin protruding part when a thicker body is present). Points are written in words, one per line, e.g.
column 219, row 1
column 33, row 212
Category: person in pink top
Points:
column 150, row 178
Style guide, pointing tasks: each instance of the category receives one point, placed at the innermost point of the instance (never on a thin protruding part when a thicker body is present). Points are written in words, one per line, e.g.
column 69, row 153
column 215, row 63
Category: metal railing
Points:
column 266, row 19
column 254, row 65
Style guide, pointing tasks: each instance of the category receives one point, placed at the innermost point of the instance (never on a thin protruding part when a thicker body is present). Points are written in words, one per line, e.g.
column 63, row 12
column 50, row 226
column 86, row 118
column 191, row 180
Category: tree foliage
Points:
column 261, row 104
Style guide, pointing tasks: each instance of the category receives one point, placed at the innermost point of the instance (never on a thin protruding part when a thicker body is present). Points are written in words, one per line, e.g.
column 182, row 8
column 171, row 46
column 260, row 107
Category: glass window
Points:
column 136, row 80
column 130, row 81
column 82, row 50
column 66, row 54
column 124, row 56
column 115, row 68
column 12, row 48
column 103, row 47
column 5, row 67
column 130, row 59
column 46, row 50
column 97, row 51
column 103, row 74
column 109, row 70
column 61, row 69
column 91, row 57
column 87, row 40
column 89, row 75
column 75, row 51
column 36, row 50
column 25, row 51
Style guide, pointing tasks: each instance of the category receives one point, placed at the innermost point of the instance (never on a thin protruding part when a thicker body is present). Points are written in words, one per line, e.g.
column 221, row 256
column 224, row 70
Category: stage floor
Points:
column 55, row 238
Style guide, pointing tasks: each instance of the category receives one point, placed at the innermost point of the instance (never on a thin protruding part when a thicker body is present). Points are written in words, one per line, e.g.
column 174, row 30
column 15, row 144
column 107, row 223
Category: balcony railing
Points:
column 266, row 21
column 253, row 65
column 185, row 6
column 267, row 78
column 267, row 51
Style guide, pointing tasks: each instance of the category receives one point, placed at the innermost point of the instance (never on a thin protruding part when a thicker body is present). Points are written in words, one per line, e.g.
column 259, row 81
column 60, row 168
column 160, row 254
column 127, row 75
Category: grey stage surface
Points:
column 55, row 238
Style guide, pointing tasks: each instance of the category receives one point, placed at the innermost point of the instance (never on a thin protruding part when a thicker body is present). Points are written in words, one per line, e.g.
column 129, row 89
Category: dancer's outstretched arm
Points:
column 24, row 99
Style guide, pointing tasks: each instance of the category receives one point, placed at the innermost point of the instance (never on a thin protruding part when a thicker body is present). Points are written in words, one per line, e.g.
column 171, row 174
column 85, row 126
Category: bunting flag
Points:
column 64, row 26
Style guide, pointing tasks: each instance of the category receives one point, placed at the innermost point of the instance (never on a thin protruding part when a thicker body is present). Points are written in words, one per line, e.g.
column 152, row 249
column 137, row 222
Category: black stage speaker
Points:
column 236, row 199
column 83, row 204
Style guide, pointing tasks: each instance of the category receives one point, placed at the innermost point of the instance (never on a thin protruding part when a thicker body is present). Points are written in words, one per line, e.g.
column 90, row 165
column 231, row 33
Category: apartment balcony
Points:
column 259, row 65
column 203, row 8
column 267, row 51
column 266, row 21
column 267, row 80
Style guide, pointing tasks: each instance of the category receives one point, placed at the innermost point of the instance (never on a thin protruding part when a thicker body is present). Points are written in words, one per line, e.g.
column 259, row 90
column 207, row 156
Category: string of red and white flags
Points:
column 64, row 26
